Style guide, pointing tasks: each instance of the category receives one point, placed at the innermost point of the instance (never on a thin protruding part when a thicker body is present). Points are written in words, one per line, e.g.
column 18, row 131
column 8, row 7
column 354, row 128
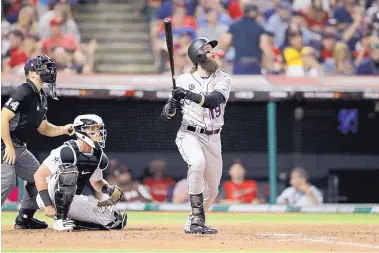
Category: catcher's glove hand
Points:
column 115, row 195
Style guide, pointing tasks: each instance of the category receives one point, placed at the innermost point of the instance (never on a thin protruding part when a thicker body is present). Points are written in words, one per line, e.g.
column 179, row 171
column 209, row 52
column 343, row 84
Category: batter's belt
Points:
column 202, row 130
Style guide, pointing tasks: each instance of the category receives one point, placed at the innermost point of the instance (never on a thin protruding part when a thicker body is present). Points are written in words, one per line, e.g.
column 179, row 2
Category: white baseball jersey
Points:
column 196, row 115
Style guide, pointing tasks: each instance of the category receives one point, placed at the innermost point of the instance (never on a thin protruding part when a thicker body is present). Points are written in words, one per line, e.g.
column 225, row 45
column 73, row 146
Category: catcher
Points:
column 62, row 176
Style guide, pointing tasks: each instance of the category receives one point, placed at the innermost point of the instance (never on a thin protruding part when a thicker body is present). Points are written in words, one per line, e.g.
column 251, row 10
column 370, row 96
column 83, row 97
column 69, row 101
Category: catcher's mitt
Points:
column 115, row 195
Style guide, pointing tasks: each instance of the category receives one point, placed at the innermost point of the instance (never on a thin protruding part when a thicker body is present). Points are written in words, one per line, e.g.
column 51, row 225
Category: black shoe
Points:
column 32, row 223
column 121, row 221
column 209, row 231
column 197, row 224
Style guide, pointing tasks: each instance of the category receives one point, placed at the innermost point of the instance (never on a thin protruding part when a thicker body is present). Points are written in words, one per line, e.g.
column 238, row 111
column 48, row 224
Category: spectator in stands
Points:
column 327, row 45
column 311, row 66
column 341, row 63
column 344, row 14
column 292, row 53
column 375, row 25
column 309, row 37
column 27, row 21
column 316, row 16
column 180, row 21
column 212, row 29
column 350, row 21
column 269, row 12
column 16, row 57
column 233, row 8
column 301, row 5
column 180, row 192
column 362, row 49
column 182, row 64
column 331, row 27
column 249, row 40
column 374, row 8
column 133, row 190
column 370, row 65
column 278, row 23
column 301, row 192
column 239, row 189
column 158, row 184
column 58, row 40
column 272, row 65
column 61, row 11
column 30, row 46
column 221, row 18
column 5, row 43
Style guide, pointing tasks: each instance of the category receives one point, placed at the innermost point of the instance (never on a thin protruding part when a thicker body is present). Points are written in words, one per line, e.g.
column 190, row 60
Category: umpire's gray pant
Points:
column 25, row 167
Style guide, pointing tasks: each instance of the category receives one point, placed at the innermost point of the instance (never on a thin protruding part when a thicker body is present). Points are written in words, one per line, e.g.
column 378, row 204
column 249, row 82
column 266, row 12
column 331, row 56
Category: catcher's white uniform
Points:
column 90, row 168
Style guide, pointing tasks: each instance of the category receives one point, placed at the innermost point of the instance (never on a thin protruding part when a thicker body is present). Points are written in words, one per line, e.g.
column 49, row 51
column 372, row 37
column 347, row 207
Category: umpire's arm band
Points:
column 44, row 194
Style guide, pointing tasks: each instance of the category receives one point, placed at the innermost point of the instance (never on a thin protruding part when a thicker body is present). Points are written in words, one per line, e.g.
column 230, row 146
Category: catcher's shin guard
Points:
column 65, row 189
column 198, row 214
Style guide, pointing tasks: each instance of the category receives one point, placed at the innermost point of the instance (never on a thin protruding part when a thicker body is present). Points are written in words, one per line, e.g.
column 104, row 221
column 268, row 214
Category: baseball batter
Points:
column 61, row 178
column 201, row 95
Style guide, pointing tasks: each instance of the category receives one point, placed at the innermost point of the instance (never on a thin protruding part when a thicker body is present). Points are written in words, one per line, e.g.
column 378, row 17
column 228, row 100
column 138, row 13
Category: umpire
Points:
column 23, row 113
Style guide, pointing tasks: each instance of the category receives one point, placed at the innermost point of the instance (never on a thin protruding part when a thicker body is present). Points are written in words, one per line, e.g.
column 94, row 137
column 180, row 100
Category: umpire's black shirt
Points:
column 30, row 107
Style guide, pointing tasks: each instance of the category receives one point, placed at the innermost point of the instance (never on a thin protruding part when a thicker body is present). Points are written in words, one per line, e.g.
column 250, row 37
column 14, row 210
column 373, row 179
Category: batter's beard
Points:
column 210, row 65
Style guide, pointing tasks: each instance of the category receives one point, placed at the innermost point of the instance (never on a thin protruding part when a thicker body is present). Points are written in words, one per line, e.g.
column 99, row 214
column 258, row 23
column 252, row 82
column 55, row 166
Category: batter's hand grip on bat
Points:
column 170, row 48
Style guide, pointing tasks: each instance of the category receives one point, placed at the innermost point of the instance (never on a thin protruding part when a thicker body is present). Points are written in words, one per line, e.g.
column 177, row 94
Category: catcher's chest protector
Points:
column 86, row 163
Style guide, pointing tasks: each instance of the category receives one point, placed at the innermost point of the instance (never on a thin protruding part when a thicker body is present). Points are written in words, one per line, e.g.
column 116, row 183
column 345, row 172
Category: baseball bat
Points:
column 170, row 48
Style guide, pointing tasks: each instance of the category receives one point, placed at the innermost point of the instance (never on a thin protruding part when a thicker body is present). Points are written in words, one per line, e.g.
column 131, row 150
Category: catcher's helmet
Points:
column 85, row 129
column 195, row 52
column 45, row 67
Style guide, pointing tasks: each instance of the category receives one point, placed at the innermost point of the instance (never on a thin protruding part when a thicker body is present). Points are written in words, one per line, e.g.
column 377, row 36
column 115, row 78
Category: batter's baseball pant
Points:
column 25, row 167
column 202, row 153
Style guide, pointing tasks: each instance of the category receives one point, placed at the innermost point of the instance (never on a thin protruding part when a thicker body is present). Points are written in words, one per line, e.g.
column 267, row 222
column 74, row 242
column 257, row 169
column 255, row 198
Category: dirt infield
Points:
column 245, row 237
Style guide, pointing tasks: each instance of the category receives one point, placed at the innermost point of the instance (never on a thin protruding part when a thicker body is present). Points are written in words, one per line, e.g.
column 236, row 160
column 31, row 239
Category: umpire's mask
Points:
column 90, row 128
column 45, row 67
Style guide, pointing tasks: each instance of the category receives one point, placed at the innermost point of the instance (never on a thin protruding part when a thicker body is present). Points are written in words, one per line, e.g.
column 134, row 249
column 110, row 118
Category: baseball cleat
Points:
column 121, row 221
column 32, row 223
column 63, row 225
column 204, row 230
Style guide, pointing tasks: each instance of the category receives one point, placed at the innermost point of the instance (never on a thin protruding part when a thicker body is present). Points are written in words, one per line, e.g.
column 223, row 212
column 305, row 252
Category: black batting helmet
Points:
column 194, row 51
column 45, row 67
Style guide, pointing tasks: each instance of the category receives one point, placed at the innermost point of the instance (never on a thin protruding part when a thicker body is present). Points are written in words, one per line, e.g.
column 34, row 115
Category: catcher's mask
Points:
column 195, row 51
column 90, row 128
column 45, row 67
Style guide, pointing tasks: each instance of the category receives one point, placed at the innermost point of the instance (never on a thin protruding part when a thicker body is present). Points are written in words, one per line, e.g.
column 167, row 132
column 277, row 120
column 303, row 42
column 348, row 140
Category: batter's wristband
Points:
column 105, row 189
column 44, row 194
column 197, row 98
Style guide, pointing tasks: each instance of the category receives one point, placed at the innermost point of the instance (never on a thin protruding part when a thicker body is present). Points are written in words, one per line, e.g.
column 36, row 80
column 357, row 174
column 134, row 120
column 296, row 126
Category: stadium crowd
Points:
column 155, row 186
column 33, row 27
column 293, row 38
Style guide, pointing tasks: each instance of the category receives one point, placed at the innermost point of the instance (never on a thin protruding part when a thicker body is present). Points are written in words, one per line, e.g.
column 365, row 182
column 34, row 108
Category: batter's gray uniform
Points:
column 25, row 167
column 202, row 152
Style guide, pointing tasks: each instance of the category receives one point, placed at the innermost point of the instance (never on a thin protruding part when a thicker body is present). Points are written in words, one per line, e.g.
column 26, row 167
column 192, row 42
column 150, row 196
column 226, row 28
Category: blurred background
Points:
column 303, row 80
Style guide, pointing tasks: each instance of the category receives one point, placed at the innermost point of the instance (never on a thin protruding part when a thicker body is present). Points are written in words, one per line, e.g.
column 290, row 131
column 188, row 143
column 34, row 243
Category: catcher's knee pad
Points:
column 65, row 189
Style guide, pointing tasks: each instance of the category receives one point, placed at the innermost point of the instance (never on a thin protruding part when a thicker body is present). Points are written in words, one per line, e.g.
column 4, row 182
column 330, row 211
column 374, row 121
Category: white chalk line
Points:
column 320, row 240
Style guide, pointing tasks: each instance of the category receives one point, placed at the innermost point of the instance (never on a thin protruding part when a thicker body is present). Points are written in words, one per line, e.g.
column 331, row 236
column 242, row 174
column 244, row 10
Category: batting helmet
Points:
column 194, row 51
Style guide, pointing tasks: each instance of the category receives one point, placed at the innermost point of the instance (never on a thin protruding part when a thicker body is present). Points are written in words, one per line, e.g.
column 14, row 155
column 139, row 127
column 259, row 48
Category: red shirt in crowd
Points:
column 67, row 41
column 17, row 57
column 326, row 54
column 234, row 9
column 366, row 54
column 245, row 192
column 158, row 187
column 311, row 22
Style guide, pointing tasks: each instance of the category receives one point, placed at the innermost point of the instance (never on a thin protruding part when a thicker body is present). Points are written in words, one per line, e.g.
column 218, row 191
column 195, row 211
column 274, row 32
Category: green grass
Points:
column 233, row 218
